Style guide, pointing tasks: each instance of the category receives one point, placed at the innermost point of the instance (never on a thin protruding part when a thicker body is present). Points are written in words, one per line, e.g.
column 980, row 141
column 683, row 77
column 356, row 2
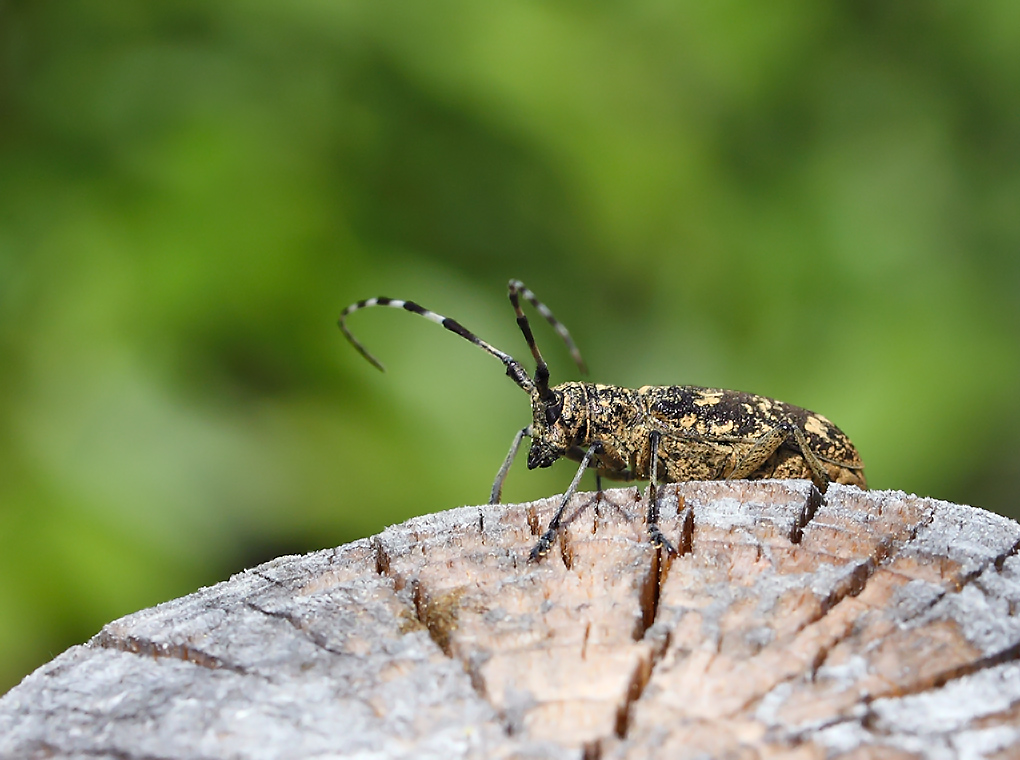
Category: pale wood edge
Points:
column 854, row 624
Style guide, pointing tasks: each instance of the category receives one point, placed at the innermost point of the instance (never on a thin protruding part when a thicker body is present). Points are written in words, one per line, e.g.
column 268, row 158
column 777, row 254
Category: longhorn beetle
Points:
column 657, row 433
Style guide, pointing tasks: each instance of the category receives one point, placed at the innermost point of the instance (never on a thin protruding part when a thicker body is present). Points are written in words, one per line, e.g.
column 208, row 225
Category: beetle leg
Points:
column 821, row 477
column 767, row 445
column 658, row 540
column 546, row 541
column 497, row 486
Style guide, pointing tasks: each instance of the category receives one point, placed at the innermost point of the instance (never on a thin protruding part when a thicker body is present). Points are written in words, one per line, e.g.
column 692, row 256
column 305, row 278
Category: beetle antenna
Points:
column 517, row 288
column 514, row 370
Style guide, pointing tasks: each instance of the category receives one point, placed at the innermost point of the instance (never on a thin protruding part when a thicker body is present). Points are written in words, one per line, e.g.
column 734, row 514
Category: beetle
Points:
column 662, row 434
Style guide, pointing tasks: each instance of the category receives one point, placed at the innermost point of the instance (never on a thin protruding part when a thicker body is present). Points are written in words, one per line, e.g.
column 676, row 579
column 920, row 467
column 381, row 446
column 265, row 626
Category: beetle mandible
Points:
column 662, row 434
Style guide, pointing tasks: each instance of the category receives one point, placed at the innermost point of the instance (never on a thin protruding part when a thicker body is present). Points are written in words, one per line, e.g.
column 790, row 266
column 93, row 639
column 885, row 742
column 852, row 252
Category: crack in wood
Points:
column 815, row 500
column 844, row 591
column 997, row 562
column 41, row 749
column 566, row 555
column 649, row 594
column 640, row 677
column 920, row 525
column 685, row 544
column 315, row 638
column 438, row 613
column 146, row 647
column 651, row 588
column 531, row 515
column 851, row 585
column 883, row 554
column 941, row 678
column 435, row 614
column 886, row 553
column 1000, row 561
column 869, row 721
column 854, row 586
column 658, row 572
column 382, row 558
column 571, row 516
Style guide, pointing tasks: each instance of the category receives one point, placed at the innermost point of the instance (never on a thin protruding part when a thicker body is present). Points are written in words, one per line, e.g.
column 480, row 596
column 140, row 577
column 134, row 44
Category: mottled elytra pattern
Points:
column 661, row 434
column 728, row 424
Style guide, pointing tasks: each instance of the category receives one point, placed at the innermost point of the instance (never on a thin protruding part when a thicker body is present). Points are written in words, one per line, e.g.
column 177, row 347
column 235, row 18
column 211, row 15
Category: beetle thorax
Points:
column 559, row 423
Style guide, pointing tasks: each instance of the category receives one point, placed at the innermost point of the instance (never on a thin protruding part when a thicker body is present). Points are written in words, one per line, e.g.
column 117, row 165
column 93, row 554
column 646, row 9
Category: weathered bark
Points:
column 861, row 624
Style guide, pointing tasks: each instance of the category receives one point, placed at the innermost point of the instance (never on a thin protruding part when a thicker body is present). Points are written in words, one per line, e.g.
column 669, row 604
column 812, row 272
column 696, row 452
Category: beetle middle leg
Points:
column 658, row 540
column 769, row 443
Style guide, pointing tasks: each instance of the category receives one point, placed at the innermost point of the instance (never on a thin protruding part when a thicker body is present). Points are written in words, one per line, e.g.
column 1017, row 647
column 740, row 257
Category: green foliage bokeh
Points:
column 812, row 201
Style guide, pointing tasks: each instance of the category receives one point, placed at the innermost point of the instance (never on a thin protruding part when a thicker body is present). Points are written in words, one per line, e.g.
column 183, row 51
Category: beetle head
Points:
column 556, row 427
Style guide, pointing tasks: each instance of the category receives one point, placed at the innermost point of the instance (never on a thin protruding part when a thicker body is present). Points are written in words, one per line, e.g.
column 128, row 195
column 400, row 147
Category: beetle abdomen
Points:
column 716, row 426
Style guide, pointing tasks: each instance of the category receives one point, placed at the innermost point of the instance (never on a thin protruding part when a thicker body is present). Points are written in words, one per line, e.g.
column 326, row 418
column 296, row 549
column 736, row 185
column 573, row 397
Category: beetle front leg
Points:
column 658, row 540
column 497, row 486
column 769, row 443
column 546, row 541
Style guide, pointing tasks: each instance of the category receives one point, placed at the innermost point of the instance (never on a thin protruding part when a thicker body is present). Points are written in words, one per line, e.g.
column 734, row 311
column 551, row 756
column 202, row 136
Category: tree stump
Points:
column 855, row 624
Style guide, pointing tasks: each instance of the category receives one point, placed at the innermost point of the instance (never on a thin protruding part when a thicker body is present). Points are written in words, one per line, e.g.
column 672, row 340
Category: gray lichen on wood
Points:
column 790, row 624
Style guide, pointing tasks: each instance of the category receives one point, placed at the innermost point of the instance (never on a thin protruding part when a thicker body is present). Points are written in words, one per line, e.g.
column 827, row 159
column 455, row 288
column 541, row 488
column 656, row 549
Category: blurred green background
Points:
column 812, row 201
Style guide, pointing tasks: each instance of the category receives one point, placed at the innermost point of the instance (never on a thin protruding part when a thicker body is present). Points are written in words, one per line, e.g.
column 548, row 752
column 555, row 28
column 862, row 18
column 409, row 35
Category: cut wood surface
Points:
column 858, row 624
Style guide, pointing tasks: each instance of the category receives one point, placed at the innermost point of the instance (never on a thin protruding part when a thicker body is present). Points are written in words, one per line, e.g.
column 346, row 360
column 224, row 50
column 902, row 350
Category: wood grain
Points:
column 858, row 624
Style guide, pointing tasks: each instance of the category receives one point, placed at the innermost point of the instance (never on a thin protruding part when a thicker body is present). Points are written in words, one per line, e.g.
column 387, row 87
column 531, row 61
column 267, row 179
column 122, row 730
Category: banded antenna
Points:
column 514, row 370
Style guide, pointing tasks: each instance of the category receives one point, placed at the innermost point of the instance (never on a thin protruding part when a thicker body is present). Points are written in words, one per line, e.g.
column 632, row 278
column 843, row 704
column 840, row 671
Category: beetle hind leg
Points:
column 769, row 443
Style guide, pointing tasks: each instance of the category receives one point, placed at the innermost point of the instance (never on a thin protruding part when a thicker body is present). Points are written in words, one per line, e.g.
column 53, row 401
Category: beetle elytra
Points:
column 663, row 434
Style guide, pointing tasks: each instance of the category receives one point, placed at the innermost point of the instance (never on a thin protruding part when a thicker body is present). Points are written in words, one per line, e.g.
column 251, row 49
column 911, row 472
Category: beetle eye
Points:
column 553, row 411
